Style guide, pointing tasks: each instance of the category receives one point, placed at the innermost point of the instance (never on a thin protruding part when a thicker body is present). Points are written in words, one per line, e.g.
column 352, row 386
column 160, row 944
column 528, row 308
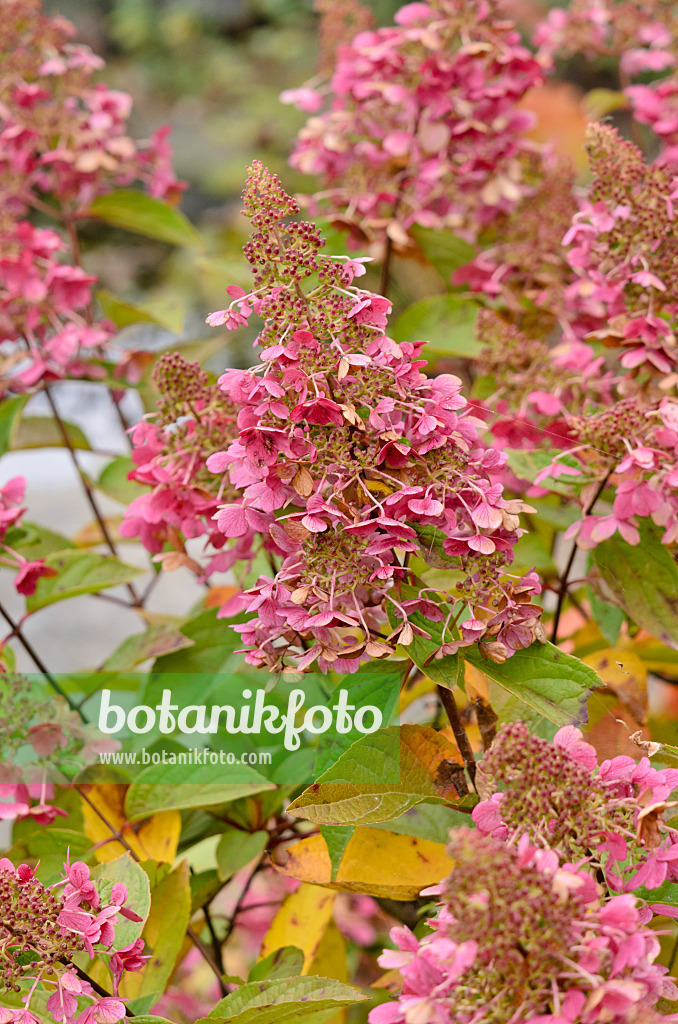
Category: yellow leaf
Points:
column 153, row 838
column 301, row 922
column 420, row 689
column 477, row 683
column 587, row 639
column 330, row 962
column 375, row 862
column 330, row 958
column 625, row 674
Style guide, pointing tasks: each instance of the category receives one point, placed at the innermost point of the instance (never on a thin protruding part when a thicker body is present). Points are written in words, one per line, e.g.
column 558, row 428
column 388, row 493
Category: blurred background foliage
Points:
column 213, row 70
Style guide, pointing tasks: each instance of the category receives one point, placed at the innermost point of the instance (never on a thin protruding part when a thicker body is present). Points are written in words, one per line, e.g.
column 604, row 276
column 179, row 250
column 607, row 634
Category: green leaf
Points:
column 50, row 847
column 169, row 311
column 199, row 350
column 444, row 250
column 285, row 962
column 204, row 887
column 285, row 1001
column 376, row 684
column 10, row 411
column 598, row 103
column 428, row 821
column 123, row 314
column 164, row 932
column 144, row 215
column 79, row 572
column 236, row 849
column 544, row 681
column 165, row 787
column 155, row 641
column 337, row 838
column 114, row 481
column 148, row 1018
column 126, row 870
column 212, row 650
column 34, row 541
column 43, row 432
column 666, row 893
column 379, row 777
column 608, row 617
column 445, row 322
column 642, row 580
column 527, row 464
column 430, row 540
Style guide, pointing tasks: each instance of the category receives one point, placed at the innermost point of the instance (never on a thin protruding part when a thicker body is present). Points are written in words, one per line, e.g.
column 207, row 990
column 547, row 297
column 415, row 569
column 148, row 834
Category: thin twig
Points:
column 563, row 581
column 386, row 268
column 87, row 488
column 204, row 951
column 37, row 660
column 99, row 989
column 243, row 892
column 115, row 832
column 120, row 414
column 452, row 711
column 216, row 945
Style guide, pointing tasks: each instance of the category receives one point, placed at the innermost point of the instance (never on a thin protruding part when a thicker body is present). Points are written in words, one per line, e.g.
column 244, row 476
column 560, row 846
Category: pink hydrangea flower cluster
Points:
column 522, row 262
column 609, row 816
column 63, row 142
column 520, row 938
column 622, row 248
column 423, row 127
column 28, row 571
column 194, row 419
column 41, row 930
column 640, row 33
column 641, row 36
column 352, row 461
column 657, row 105
column 537, row 384
column 643, row 444
column 61, row 133
column 44, row 304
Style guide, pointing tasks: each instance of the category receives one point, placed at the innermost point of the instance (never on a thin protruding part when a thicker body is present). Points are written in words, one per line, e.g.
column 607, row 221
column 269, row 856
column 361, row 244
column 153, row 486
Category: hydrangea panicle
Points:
column 355, row 450
column 171, row 447
column 520, row 939
column 42, row 929
column 63, row 143
column 423, row 126
column 557, row 794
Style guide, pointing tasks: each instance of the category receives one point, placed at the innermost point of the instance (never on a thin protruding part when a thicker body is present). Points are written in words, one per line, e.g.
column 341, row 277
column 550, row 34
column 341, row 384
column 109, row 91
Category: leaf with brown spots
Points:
column 376, row 862
column 381, row 776
column 301, row 922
